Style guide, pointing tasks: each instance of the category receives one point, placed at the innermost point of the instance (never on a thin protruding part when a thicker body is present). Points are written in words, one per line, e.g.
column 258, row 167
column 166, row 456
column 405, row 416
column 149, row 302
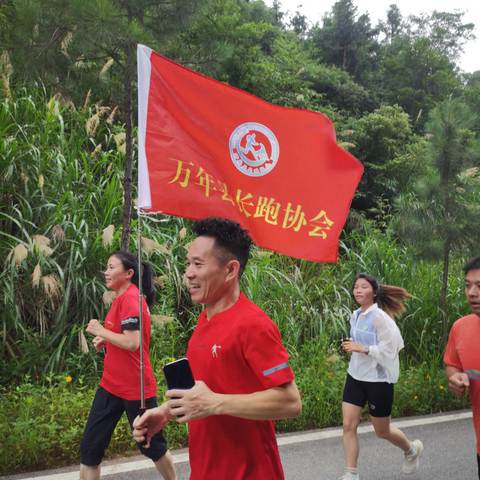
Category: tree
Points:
column 417, row 60
column 394, row 24
column 445, row 31
column 441, row 215
column 471, row 96
column 384, row 142
column 416, row 76
column 299, row 24
column 345, row 40
column 338, row 90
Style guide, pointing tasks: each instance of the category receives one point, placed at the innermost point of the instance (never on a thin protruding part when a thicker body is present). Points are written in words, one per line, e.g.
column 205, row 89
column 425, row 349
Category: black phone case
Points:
column 178, row 375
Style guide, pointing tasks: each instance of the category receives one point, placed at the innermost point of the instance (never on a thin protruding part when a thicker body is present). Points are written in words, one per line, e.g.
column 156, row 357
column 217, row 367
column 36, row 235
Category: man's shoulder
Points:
column 466, row 320
column 249, row 311
column 466, row 323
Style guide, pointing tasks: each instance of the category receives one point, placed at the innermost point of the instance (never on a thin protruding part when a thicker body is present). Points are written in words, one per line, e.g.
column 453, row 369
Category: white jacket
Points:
column 377, row 330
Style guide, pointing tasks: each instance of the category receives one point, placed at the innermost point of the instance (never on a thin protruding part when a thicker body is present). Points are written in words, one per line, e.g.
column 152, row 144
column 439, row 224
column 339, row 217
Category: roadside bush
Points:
column 41, row 425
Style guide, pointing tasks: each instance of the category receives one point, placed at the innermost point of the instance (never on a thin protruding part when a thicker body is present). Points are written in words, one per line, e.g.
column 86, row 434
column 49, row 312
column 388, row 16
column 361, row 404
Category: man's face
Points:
column 206, row 275
column 472, row 290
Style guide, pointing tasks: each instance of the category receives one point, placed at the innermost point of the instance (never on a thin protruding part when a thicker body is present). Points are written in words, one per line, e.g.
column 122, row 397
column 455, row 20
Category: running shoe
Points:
column 411, row 460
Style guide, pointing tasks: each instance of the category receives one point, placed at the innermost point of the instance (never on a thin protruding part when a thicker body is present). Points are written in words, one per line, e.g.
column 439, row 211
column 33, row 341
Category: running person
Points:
column 462, row 355
column 243, row 379
column 119, row 389
column 373, row 370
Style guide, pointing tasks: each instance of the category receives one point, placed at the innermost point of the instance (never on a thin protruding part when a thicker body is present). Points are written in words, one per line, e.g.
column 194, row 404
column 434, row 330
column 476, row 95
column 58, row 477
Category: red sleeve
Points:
column 450, row 356
column 128, row 313
column 129, row 307
column 266, row 354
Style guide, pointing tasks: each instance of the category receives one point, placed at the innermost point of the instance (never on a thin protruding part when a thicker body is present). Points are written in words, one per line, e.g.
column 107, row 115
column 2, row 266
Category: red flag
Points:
column 209, row 149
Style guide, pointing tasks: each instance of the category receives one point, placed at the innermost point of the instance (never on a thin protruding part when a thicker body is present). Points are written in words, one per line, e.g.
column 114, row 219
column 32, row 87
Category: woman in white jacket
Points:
column 373, row 370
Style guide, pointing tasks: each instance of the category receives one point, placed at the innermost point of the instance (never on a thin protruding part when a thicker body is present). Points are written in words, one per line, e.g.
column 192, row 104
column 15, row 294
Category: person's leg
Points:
column 104, row 414
column 380, row 402
column 412, row 450
column 89, row 472
column 166, row 467
column 384, row 429
column 351, row 419
column 354, row 398
column 157, row 451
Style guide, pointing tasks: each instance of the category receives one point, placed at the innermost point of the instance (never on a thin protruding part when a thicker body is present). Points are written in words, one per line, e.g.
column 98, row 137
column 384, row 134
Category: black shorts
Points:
column 478, row 461
column 378, row 395
column 104, row 415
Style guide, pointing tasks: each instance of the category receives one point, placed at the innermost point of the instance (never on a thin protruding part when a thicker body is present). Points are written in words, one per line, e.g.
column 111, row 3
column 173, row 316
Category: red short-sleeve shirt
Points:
column 121, row 368
column 463, row 352
column 238, row 351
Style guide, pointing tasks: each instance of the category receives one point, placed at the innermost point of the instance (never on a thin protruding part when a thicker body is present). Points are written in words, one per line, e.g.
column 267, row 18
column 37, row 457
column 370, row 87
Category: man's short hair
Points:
column 472, row 264
column 231, row 240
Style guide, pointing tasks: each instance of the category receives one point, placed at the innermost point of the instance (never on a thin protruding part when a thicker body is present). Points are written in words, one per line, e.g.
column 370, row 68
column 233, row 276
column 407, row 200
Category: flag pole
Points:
column 140, row 308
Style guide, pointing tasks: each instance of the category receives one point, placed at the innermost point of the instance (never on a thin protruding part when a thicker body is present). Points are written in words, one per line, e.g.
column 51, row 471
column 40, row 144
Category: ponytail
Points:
column 148, row 286
column 389, row 297
column 129, row 261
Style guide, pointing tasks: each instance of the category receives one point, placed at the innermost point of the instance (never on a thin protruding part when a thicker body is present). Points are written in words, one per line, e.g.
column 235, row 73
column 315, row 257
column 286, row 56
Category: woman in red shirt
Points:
column 119, row 389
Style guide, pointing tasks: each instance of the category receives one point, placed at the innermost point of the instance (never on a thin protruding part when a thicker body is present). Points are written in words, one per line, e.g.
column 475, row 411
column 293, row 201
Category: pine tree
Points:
column 440, row 216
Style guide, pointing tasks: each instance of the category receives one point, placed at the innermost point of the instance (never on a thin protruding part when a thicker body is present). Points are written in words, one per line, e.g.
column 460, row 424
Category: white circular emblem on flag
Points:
column 254, row 149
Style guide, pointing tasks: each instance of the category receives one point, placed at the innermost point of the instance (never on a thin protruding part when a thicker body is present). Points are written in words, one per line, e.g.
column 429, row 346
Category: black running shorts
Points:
column 378, row 395
column 104, row 415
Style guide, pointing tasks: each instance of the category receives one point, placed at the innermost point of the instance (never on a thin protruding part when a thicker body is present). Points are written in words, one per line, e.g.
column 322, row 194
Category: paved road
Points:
column 317, row 455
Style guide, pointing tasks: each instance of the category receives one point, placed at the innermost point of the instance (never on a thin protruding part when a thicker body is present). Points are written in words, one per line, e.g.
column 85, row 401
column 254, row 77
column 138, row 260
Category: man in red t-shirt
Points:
column 462, row 355
column 243, row 380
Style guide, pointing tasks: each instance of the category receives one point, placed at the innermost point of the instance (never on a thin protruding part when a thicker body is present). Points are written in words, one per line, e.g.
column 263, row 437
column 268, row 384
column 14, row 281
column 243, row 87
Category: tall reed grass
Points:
column 61, row 194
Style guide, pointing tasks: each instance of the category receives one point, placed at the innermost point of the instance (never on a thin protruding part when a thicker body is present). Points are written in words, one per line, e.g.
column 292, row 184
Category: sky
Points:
column 470, row 60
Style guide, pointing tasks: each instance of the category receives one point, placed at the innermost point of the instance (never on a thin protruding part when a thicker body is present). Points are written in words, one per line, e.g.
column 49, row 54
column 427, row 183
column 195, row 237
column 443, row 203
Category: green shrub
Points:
column 41, row 425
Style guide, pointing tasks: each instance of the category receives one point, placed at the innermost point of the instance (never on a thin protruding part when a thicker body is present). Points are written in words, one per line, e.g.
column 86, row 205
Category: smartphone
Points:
column 178, row 375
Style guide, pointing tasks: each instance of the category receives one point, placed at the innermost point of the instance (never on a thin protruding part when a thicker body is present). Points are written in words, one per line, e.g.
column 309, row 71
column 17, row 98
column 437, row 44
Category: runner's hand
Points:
column 349, row 346
column 94, row 327
column 98, row 343
column 198, row 402
column 150, row 423
column 458, row 383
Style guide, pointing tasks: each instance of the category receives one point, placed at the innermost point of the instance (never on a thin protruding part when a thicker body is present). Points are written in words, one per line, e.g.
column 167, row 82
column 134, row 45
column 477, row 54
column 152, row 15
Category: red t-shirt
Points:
column 121, row 368
column 463, row 352
column 238, row 351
